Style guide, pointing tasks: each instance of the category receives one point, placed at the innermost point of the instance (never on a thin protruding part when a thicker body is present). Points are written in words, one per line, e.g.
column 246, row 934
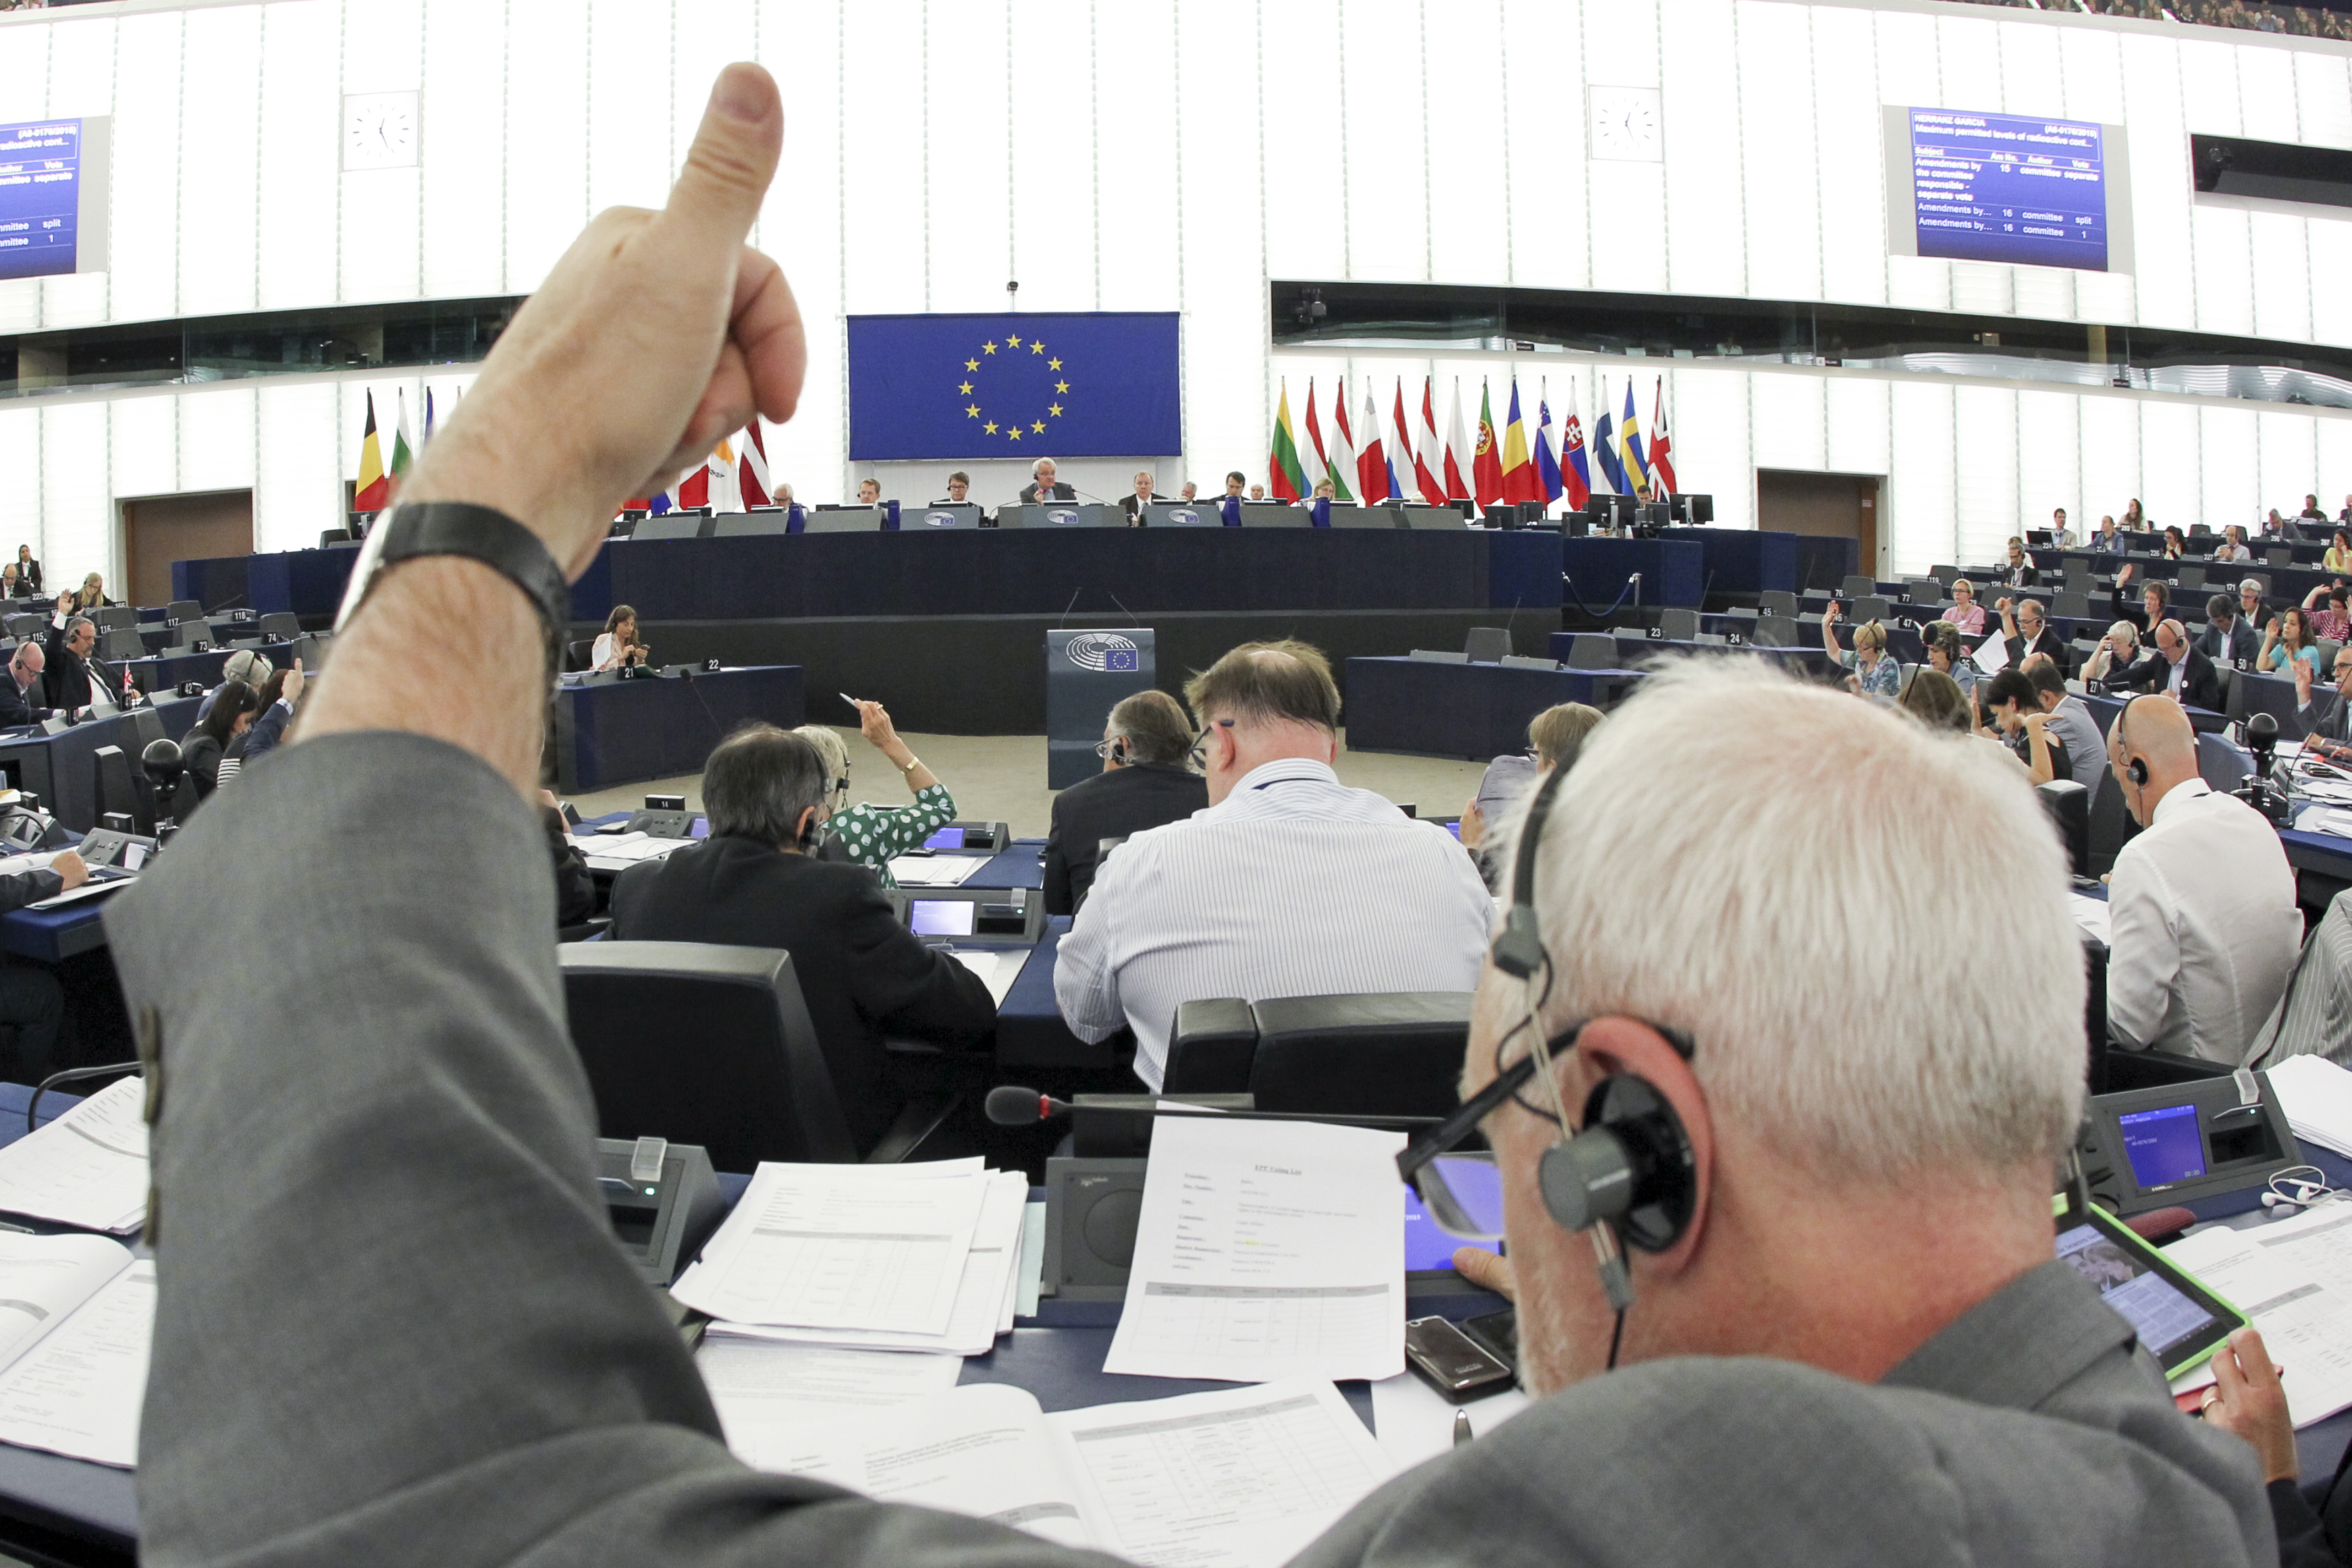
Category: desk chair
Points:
column 120, row 643
column 1591, row 651
column 1774, row 632
column 701, row 1043
column 1947, row 575
column 279, row 626
column 330, row 539
column 2072, row 603
column 1776, row 602
column 1857, row 585
column 2189, row 577
column 23, row 626
column 1678, row 626
column 180, row 609
column 577, row 655
column 2068, row 805
column 2221, row 764
column 114, row 617
column 2278, row 555
column 1923, row 591
column 117, row 792
column 1438, row 656
column 1872, row 607
column 1522, row 661
column 1487, row 645
column 1382, row 1054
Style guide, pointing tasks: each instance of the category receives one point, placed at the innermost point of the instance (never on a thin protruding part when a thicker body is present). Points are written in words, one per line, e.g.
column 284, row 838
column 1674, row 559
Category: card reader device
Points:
column 2151, row 1148
column 662, row 1199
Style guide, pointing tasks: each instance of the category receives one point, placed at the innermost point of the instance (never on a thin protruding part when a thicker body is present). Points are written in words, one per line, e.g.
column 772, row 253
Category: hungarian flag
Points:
column 1428, row 455
column 1486, row 469
column 1343, row 450
column 1629, row 436
column 1371, row 464
column 374, row 492
column 1661, row 467
column 1315, row 464
column 1573, row 472
column 1546, row 454
column 404, row 450
column 1604, row 446
column 1458, row 460
column 1285, row 479
column 758, row 488
column 1519, row 480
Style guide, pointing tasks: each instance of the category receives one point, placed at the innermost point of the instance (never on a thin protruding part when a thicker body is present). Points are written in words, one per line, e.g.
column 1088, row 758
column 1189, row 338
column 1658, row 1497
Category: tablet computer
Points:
column 2180, row 1320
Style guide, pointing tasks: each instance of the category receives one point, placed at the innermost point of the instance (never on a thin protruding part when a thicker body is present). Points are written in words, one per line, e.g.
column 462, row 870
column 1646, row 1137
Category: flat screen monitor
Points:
column 53, row 197
column 945, row 839
column 941, row 916
column 2010, row 188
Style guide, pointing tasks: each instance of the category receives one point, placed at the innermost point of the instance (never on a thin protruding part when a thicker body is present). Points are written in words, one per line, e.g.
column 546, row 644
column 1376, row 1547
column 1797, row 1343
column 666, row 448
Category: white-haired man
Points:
column 1144, row 496
column 1862, row 1349
column 1043, row 487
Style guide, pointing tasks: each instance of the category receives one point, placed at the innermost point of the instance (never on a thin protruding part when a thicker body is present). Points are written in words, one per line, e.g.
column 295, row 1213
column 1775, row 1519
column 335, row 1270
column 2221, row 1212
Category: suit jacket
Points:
column 575, row 891
column 200, row 754
column 21, row 707
column 2240, row 643
column 1029, row 496
column 862, row 974
column 261, row 737
column 2326, row 715
column 1111, row 805
column 2199, row 687
column 2047, row 641
column 1133, row 506
column 2026, row 576
column 29, row 574
column 65, row 676
column 571, row 1427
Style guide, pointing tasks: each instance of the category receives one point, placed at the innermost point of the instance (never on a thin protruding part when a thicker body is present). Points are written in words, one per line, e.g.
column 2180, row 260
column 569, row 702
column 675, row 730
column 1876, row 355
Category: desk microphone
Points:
column 1009, row 1106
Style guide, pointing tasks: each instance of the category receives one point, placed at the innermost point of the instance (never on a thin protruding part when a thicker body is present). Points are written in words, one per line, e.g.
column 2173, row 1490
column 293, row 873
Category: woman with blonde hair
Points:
column 870, row 834
column 2118, row 650
column 1876, row 673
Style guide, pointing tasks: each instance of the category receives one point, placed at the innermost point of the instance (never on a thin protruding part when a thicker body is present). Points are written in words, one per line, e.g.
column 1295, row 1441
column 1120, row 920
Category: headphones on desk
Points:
column 1630, row 1170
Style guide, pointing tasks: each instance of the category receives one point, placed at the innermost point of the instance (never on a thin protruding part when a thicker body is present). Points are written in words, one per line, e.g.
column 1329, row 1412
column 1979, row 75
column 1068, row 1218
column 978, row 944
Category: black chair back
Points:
column 1678, row 626
column 279, row 626
column 1778, row 602
column 1591, row 651
column 117, row 792
column 23, row 626
column 576, row 654
column 119, row 644
column 1775, row 631
column 1487, row 645
column 2069, row 808
column 1397, row 1054
column 114, row 616
column 701, row 1043
column 180, row 609
column 2190, row 577
column 1857, row 584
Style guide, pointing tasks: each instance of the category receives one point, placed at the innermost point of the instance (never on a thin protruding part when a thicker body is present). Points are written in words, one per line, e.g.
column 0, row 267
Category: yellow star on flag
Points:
column 1015, row 433
column 974, row 410
column 1055, row 409
column 971, row 364
column 989, row 427
column 1038, row 425
column 1052, row 364
column 965, row 389
column 985, row 349
column 1012, row 342
column 1061, row 386
column 1035, row 347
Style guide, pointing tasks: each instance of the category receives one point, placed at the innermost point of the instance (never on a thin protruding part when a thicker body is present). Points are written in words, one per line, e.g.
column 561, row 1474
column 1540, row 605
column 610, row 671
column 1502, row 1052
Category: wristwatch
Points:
column 415, row 529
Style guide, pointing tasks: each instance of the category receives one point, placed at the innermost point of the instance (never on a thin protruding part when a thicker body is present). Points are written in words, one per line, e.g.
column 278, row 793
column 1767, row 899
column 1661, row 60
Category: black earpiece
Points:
column 812, row 831
column 2136, row 769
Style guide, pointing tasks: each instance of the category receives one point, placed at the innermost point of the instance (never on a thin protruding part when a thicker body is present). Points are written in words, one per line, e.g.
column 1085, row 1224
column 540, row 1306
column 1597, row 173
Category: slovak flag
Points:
column 1575, row 471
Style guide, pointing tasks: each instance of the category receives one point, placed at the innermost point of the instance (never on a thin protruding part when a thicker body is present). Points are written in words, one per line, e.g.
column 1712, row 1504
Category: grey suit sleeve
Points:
column 392, row 1325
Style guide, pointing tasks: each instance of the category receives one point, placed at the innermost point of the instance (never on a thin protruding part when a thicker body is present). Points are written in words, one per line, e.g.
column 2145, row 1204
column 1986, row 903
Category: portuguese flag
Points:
column 1286, row 481
column 374, row 492
column 1487, row 470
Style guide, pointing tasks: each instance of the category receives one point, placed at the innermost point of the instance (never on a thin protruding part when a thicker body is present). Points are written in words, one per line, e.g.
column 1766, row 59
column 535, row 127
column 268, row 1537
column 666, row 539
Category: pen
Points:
column 1461, row 1433
column 847, row 699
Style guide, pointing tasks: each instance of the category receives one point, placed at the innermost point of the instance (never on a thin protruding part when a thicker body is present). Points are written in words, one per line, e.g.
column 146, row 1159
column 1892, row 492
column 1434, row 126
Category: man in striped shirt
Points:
column 1290, row 885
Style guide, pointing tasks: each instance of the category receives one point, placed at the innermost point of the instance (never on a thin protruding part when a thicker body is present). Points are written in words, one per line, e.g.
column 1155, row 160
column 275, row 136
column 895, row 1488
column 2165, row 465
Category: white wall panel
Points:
column 1138, row 133
column 301, row 106
column 297, row 481
column 1709, row 410
column 220, row 127
column 1054, row 235
column 547, row 142
column 1849, row 155
column 1305, row 233
column 462, row 116
column 20, row 498
column 216, row 439
column 1861, row 440
column 2333, row 456
column 2266, row 97
column 1228, row 405
column 382, row 52
column 1390, row 198
column 2048, row 459
column 2158, row 142
column 2322, row 97
column 1984, row 427
column 2281, row 254
column 706, row 36
column 2032, row 77
column 146, row 193
column 2224, row 239
column 969, row 225
column 800, row 225
column 76, row 511
column 1921, row 500
column 1700, row 101
column 1467, row 149
column 1543, row 60
column 2289, row 461
column 1790, row 424
column 2231, row 492
column 2092, row 66
column 144, row 435
column 629, row 89
column 2172, row 465
column 2109, row 428
column 1781, row 176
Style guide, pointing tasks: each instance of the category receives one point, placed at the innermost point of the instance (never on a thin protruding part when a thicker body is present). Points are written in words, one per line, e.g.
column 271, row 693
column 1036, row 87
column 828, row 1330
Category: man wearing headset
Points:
column 753, row 884
column 1144, row 783
column 2202, row 907
column 1852, row 1344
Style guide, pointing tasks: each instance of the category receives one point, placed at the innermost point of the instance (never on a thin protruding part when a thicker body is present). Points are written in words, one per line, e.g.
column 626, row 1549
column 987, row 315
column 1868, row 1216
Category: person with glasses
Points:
column 1289, row 884
column 2326, row 713
column 1144, row 784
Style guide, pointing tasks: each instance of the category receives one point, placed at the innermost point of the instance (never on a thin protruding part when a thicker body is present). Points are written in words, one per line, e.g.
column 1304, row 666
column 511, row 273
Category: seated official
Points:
column 2176, row 544
column 1133, row 505
column 575, row 889
column 2026, row 634
column 66, row 673
column 2289, row 639
column 1555, row 737
column 2117, row 652
column 2009, row 703
column 29, row 570
column 1188, row 492
column 1289, row 884
column 617, row 647
column 1869, row 1356
column 32, row 1002
column 2175, row 669
column 205, row 752
column 2228, row 636
column 11, row 585
column 1964, row 613
column 2018, row 569
column 753, row 884
column 2154, row 604
column 2201, row 905
column 958, row 490
column 24, row 694
column 1041, row 485
column 870, row 835
column 2252, row 603
column 2060, row 536
column 2339, row 552
column 1936, row 700
column 1941, row 642
column 1873, row 670
column 869, row 492
column 1145, row 783
column 2232, row 547
column 243, row 665
column 2109, row 539
column 2326, row 714
column 2073, row 724
column 92, row 595
column 2324, row 608
column 274, row 703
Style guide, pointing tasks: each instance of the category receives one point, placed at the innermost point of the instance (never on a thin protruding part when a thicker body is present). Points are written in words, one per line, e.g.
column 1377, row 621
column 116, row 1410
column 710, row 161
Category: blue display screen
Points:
column 941, row 916
column 2008, row 188
column 41, row 197
column 945, row 839
column 2163, row 1144
column 1426, row 1246
column 701, row 829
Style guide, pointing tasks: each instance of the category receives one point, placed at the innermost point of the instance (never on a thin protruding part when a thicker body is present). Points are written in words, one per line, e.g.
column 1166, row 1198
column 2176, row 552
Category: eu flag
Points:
column 956, row 388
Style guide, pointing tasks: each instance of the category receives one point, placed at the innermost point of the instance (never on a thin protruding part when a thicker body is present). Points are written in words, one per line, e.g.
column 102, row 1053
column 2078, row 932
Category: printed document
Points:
column 1241, row 1478
column 2292, row 1279
column 1266, row 1249
column 935, row 871
column 2317, row 1096
column 997, row 968
column 759, row 1388
column 88, row 1168
column 77, row 1313
column 843, row 1247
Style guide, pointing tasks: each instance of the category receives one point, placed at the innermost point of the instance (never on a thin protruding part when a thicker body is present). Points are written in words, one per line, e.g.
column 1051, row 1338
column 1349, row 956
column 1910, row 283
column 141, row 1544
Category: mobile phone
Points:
column 1497, row 1333
column 1447, row 1360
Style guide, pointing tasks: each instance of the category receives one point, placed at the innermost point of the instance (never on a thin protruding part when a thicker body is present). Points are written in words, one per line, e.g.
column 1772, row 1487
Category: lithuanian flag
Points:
column 1286, row 479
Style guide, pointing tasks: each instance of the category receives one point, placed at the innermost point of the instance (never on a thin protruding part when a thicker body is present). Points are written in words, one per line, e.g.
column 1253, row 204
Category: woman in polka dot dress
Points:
column 871, row 834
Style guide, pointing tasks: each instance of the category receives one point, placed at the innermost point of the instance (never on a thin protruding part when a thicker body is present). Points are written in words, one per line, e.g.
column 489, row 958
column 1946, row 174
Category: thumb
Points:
column 727, row 169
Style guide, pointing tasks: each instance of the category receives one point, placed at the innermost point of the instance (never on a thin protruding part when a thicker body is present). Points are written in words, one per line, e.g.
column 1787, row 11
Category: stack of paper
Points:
column 2332, row 819
column 1266, row 1249
column 764, row 1390
column 1242, row 1477
column 2317, row 1096
column 2093, row 917
column 997, row 968
column 901, row 1258
column 77, row 1315
column 88, row 1168
column 627, row 849
column 935, row 871
column 2292, row 1279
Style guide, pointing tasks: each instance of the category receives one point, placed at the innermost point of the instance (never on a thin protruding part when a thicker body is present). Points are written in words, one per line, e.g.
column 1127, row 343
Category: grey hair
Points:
column 74, row 621
column 1038, row 466
column 1848, row 1033
column 760, row 781
column 247, row 666
column 2254, row 582
column 830, row 747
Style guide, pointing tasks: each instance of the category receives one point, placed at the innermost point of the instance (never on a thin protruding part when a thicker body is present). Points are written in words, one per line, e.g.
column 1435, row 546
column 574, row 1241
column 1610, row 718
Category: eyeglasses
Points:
column 1461, row 1189
column 1200, row 752
column 1103, row 748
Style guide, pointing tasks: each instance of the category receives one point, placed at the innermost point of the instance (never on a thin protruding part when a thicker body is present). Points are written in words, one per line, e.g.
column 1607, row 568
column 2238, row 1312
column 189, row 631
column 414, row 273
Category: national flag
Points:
column 1629, row 436
column 1604, row 446
column 759, row 489
column 1519, row 481
column 661, row 501
column 374, row 493
column 694, row 490
column 1486, row 469
column 1661, row 468
column 1546, row 454
column 404, row 450
column 1428, row 455
column 1458, row 459
column 1343, row 450
column 709, row 485
column 1284, row 476
column 726, row 493
column 1373, row 462
column 1314, row 465
column 428, row 416
column 1574, row 471
column 1400, row 453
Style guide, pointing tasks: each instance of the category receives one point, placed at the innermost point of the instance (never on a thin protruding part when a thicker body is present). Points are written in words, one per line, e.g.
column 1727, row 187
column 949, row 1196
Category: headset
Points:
column 1630, row 1170
column 811, row 837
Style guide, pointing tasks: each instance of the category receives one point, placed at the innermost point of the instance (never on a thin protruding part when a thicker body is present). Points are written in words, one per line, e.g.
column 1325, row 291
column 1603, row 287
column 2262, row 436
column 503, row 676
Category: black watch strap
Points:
column 414, row 529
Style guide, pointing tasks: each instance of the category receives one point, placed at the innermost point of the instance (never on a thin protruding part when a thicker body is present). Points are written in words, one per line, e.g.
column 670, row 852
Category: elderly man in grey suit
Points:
column 392, row 1327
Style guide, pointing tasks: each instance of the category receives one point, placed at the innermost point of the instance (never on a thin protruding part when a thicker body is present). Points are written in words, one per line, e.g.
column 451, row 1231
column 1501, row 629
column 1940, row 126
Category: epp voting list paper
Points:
column 1265, row 1251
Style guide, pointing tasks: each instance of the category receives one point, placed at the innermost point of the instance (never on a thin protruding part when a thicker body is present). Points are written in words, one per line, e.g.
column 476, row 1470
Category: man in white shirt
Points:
column 2205, row 929
column 1290, row 885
